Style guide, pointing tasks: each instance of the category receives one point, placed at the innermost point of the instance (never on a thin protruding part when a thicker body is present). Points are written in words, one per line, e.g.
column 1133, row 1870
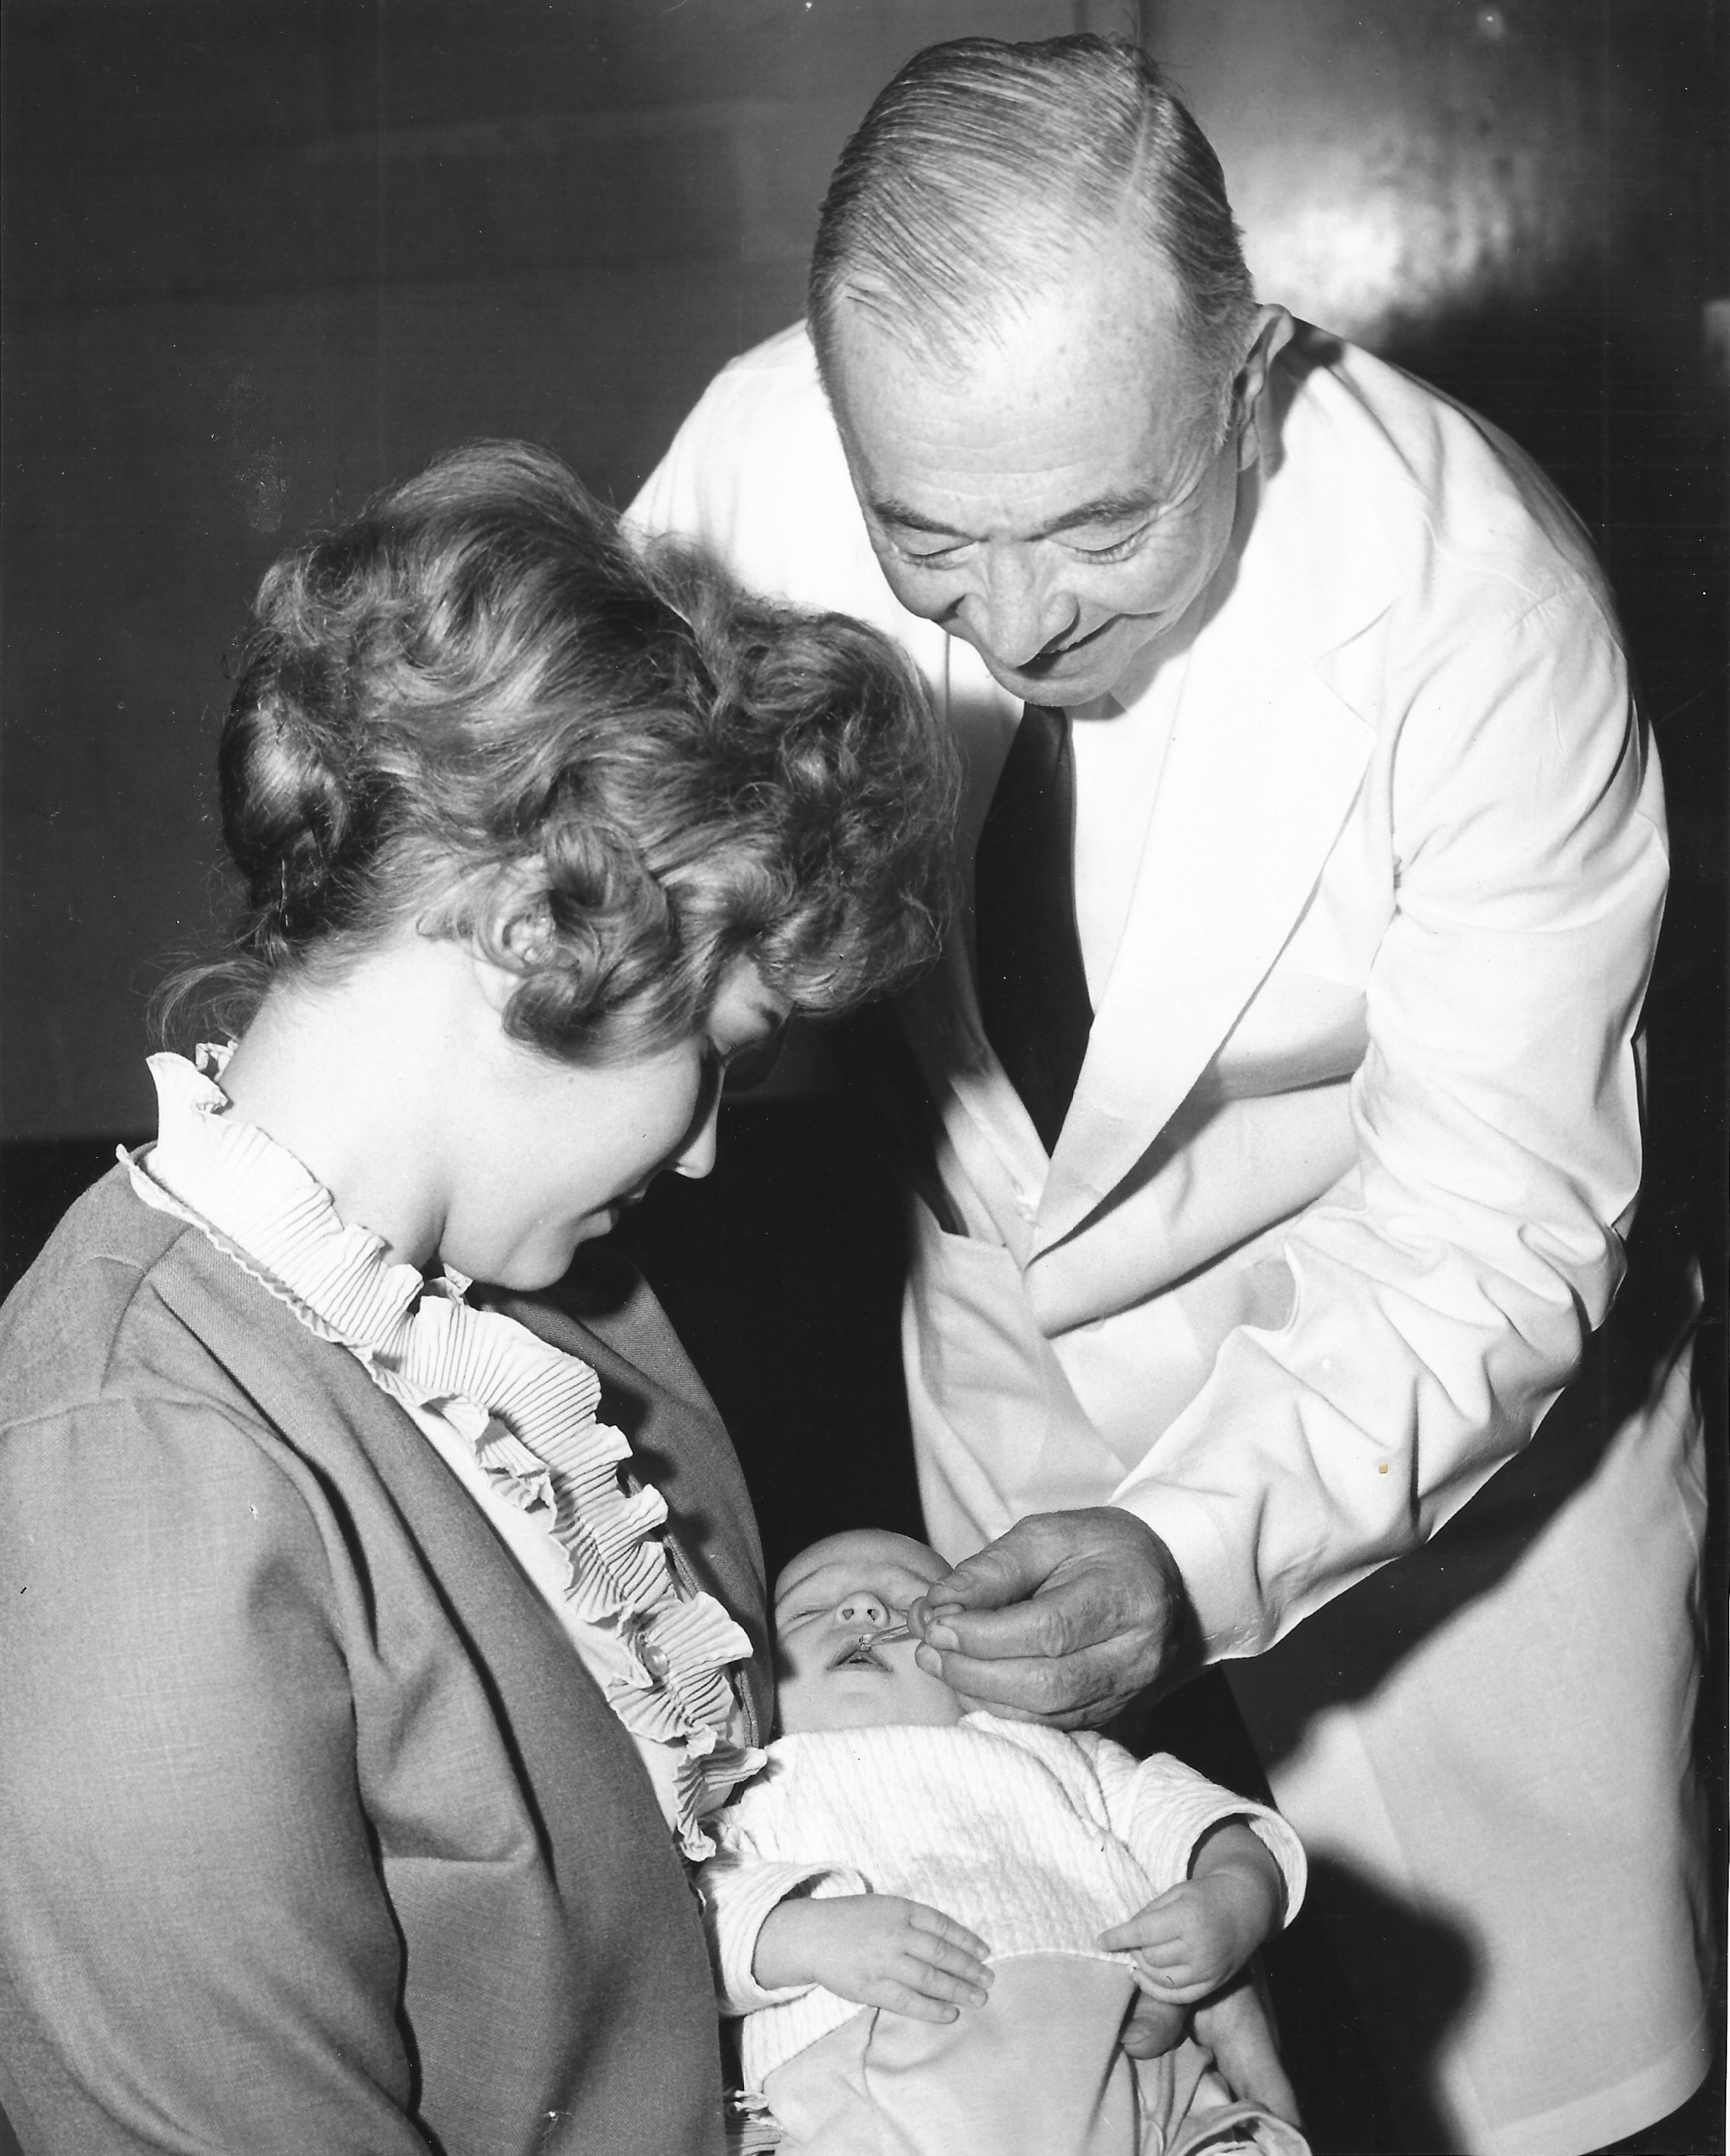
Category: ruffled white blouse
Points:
column 512, row 1415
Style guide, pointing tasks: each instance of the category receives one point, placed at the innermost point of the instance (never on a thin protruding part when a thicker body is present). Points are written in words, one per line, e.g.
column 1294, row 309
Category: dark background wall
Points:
column 260, row 255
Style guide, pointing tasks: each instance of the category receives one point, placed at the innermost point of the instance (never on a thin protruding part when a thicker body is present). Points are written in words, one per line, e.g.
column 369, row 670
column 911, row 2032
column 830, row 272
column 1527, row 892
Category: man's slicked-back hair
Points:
column 968, row 182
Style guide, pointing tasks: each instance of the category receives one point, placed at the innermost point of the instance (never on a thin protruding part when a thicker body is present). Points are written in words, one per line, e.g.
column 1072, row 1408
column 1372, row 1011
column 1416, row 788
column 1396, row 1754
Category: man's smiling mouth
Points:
column 1052, row 658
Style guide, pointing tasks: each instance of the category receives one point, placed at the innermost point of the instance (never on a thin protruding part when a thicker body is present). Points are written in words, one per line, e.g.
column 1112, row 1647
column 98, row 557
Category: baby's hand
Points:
column 1196, row 1935
column 876, row 1949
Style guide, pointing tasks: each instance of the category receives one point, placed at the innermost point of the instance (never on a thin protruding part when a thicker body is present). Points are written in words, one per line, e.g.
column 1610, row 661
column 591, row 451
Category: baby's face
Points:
column 830, row 1604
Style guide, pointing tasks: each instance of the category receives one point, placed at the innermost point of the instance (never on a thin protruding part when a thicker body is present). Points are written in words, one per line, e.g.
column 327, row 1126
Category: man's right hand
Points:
column 1064, row 1619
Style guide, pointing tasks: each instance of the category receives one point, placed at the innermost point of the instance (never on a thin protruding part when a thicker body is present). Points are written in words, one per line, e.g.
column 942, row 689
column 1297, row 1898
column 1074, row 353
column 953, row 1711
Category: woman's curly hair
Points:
column 480, row 709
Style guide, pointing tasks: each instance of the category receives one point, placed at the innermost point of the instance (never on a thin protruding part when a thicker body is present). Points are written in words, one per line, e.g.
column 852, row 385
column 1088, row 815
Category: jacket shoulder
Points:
column 1435, row 487
column 757, row 473
column 87, row 1307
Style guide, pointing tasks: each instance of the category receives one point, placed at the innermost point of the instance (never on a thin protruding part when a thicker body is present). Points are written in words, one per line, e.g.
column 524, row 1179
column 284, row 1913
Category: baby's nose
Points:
column 862, row 1609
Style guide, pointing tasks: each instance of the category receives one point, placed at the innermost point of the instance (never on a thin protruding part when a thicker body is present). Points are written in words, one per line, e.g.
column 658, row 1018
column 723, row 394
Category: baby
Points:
column 934, row 1922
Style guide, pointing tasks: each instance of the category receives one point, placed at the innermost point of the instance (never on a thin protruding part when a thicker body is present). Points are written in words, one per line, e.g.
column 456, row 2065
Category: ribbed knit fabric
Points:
column 658, row 1645
column 1037, row 1840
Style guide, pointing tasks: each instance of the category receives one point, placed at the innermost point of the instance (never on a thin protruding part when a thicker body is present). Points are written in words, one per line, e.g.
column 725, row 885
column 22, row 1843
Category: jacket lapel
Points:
column 1252, row 800
column 1267, row 753
column 1272, row 737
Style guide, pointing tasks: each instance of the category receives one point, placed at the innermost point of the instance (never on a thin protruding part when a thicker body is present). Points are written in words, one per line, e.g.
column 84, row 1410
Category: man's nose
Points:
column 1015, row 612
column 862, row 1609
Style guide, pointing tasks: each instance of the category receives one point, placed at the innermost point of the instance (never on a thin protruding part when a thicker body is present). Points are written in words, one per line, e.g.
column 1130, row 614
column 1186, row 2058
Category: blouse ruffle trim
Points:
column 526, row 1407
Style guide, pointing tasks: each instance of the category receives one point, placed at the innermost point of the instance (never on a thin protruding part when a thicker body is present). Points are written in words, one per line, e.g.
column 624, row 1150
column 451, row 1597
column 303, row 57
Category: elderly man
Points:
column 1284, row 1092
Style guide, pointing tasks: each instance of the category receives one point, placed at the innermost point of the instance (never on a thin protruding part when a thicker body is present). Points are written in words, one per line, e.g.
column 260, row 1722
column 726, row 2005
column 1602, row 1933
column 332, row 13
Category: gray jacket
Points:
column 316, row 1834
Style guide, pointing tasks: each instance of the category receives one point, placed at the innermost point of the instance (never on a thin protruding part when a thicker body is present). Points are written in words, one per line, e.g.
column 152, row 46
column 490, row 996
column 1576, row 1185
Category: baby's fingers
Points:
column 934, row 1924
column 943, row 1987
column 1173, row 1957
column 1179, row 1987
column 940, row 1964
column 945, row 1972
column 1159, row 1925
column 903, row 1999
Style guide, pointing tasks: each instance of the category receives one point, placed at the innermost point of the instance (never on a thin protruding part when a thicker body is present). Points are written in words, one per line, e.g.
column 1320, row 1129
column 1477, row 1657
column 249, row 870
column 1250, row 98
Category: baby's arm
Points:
column 1194, row 1937
column 876, row 1949
column 775, row 1928
column 1177, row 1822
column 1232, row 1870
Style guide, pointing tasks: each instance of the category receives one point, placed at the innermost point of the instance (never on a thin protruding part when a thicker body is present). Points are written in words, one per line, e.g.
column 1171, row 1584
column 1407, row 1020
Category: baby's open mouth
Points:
column 860, row 1656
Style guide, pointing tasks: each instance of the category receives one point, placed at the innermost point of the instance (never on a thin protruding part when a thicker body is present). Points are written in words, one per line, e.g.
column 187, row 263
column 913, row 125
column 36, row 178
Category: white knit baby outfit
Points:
column 1036, row 1839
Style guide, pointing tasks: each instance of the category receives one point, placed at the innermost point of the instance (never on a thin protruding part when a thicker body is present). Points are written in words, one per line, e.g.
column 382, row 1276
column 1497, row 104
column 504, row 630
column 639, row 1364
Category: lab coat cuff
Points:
column 1210, row 1568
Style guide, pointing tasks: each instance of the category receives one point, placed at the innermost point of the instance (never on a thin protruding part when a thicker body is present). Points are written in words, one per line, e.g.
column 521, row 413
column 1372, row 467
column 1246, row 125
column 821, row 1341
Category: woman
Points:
column 357, row 1702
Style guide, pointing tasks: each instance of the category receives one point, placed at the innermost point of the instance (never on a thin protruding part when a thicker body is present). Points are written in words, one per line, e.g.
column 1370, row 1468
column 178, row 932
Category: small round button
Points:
column 653, row 1660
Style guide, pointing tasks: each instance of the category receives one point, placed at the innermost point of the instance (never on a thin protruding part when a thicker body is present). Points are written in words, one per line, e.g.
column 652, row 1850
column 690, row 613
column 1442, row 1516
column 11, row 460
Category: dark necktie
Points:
column 1032, row 986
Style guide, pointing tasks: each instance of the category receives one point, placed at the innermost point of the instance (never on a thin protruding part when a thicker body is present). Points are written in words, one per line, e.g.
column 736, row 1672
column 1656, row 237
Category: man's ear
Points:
column 1274, row 330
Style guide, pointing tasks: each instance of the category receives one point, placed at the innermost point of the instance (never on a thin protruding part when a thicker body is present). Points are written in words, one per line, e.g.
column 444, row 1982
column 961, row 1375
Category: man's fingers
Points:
column 1004, row 1571
column 1082, row 1687
column 1062, row 1621
column 1064, row 1616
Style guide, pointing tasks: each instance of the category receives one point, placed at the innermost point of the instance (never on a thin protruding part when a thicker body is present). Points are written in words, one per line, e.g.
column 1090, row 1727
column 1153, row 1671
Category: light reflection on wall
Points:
column 1389, row 164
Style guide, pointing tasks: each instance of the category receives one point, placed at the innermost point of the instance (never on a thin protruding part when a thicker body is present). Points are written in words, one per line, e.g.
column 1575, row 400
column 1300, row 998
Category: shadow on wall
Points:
column 1342, row 2087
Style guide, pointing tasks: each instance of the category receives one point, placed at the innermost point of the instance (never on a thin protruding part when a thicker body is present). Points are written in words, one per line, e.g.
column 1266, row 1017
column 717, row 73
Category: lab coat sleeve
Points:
column 1442, row 1295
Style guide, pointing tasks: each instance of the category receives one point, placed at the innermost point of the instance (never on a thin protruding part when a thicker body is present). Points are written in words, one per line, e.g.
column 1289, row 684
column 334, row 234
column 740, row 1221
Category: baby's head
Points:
column 830, row 1603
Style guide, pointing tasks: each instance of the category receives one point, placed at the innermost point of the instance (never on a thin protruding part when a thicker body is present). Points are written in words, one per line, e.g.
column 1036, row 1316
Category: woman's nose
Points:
column 695, row 1156
column 863, row 1610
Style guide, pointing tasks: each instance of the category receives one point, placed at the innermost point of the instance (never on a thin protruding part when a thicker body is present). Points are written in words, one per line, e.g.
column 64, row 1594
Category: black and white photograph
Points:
column 862, row 1044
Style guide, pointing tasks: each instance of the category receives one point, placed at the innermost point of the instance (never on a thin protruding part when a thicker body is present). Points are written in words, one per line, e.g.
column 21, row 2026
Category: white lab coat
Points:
column 1340, row 1197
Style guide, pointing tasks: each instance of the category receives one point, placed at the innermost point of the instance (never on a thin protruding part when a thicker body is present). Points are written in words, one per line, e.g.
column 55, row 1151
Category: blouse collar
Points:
column 527, row 1408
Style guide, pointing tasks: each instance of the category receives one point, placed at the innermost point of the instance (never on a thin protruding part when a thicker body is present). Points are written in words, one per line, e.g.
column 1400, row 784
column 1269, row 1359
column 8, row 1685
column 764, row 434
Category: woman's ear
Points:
column 525, row 934
column 513, row 923
column 510, row 932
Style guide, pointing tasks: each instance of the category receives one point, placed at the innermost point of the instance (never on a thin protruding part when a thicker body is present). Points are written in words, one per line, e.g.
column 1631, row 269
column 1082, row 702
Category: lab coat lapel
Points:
column 1272, row 736
column 1266, row 758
